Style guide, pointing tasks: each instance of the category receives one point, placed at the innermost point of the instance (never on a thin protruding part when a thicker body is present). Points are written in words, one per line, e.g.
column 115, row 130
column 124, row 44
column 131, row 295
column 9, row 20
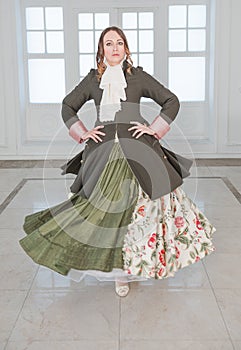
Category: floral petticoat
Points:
column 165, row 235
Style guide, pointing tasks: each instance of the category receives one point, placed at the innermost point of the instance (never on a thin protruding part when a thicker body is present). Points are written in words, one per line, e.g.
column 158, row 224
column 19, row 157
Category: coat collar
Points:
column 125, row 65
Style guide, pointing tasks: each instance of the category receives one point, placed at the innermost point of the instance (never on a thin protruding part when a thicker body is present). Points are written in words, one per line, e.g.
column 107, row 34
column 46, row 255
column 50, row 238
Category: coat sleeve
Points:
column 71, row 105
column 169, row 102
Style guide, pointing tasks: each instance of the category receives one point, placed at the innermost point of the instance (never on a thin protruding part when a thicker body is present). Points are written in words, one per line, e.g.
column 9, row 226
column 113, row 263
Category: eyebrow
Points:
column 112, row 40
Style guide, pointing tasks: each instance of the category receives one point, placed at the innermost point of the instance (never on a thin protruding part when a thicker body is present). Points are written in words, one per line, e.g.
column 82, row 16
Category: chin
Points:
column 116, row 60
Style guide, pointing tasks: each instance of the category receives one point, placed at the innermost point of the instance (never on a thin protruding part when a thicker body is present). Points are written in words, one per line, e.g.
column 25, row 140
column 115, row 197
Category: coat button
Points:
column 165, row 157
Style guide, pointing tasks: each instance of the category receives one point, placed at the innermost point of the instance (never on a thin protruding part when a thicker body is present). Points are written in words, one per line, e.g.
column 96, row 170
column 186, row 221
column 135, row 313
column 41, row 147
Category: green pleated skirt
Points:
column 86, row 234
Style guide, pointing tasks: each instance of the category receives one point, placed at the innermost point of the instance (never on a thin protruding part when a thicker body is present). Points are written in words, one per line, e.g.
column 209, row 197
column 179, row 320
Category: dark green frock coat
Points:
column 158, row 170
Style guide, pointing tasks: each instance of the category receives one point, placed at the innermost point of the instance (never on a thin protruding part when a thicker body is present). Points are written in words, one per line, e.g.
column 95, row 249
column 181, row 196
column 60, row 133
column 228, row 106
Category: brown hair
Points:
column 101, row 66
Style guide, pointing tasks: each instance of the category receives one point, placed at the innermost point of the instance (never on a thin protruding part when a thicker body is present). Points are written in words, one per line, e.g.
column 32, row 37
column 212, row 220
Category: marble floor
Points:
column 199, row 308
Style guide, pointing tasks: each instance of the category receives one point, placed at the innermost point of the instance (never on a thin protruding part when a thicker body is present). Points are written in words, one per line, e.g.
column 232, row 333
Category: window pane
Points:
column 55, row 42
column 86, row 62
column 146, row 61
column 101, row 20
column 35, row 42
column 129, row 20
column 34, row 18
column 131, row 36
column 54, row 17
column 97, row 37
column 177, row 40
column 146, row 40
column 196, row 39
column 177, row 16
column 86, row 43
column 146, row 20
column 187, row 78
column 197, row 16
column 46, row 80
column 85, row 21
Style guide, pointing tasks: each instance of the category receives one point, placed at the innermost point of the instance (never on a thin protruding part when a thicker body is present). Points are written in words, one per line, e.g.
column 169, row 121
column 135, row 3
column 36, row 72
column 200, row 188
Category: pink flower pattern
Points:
column 166, row 235
column 179, row 221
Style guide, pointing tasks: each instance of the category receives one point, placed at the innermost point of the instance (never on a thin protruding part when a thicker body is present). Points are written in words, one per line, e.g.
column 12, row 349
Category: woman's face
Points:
column 114, row 48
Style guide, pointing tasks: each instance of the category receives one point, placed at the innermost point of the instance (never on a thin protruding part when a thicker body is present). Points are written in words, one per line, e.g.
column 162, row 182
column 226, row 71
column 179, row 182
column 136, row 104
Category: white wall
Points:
column 8, row 91
column 17, row 143
column 228, row 79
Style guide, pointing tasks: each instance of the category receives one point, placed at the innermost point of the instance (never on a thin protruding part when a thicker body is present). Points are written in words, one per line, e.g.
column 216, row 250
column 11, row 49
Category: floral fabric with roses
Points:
column 165, row 235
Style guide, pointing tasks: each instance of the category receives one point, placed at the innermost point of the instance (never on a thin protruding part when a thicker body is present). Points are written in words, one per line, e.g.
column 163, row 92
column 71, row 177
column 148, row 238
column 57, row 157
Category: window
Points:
column 187, row 51
column 139, row 29
column 45, row 54
column 90, row 26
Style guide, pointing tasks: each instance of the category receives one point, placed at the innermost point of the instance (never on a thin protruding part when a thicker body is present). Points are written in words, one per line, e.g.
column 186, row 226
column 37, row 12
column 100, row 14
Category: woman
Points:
column 127, row 218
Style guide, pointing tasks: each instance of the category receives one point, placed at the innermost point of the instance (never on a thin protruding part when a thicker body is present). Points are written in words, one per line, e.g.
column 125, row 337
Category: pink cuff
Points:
column 160, row 126
column 77, row 130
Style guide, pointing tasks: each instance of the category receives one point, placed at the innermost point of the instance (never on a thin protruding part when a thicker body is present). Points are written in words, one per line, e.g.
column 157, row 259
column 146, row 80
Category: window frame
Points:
column 45, row 55
column 187, row 53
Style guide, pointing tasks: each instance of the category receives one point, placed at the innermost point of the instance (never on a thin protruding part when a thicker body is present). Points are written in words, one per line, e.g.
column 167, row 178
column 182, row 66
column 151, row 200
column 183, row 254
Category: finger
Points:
column 141, row 133
column 99, row 126
column 98, row 138
column 133, row 127
column 100, row 132
column 135, row 132
column 93, row 138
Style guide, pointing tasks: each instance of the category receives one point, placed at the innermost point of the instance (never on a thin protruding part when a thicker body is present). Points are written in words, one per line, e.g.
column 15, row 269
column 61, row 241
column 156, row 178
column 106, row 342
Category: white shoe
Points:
column 122, row 288
column 70, row 195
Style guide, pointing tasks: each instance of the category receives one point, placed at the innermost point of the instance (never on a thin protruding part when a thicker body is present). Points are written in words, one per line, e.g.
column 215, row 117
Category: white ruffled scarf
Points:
column 113, row 83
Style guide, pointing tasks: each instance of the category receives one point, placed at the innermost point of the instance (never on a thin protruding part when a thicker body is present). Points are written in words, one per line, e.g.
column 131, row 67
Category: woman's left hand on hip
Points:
column 141, row 128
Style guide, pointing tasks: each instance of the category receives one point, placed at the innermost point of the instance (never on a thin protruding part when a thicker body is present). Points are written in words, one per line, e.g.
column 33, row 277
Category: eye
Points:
column 108, row 44
column 121, row 43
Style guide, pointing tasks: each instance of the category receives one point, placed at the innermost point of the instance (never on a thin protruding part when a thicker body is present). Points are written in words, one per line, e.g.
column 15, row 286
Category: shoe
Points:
column 70, row 194
column 122, row 288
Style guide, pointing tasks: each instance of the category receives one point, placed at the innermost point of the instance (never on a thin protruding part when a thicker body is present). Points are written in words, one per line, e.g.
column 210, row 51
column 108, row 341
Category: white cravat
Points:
column 113, row 83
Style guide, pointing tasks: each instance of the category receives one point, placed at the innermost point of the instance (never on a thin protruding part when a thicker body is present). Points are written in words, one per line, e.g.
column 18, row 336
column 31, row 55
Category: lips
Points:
column 116, row 54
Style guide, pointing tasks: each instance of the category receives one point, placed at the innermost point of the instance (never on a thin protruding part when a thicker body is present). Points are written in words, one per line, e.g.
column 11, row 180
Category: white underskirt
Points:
column 119, row 274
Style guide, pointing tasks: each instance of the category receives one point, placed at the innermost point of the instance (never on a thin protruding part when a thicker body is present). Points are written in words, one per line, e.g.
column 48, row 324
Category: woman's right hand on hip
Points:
column 94, row 134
